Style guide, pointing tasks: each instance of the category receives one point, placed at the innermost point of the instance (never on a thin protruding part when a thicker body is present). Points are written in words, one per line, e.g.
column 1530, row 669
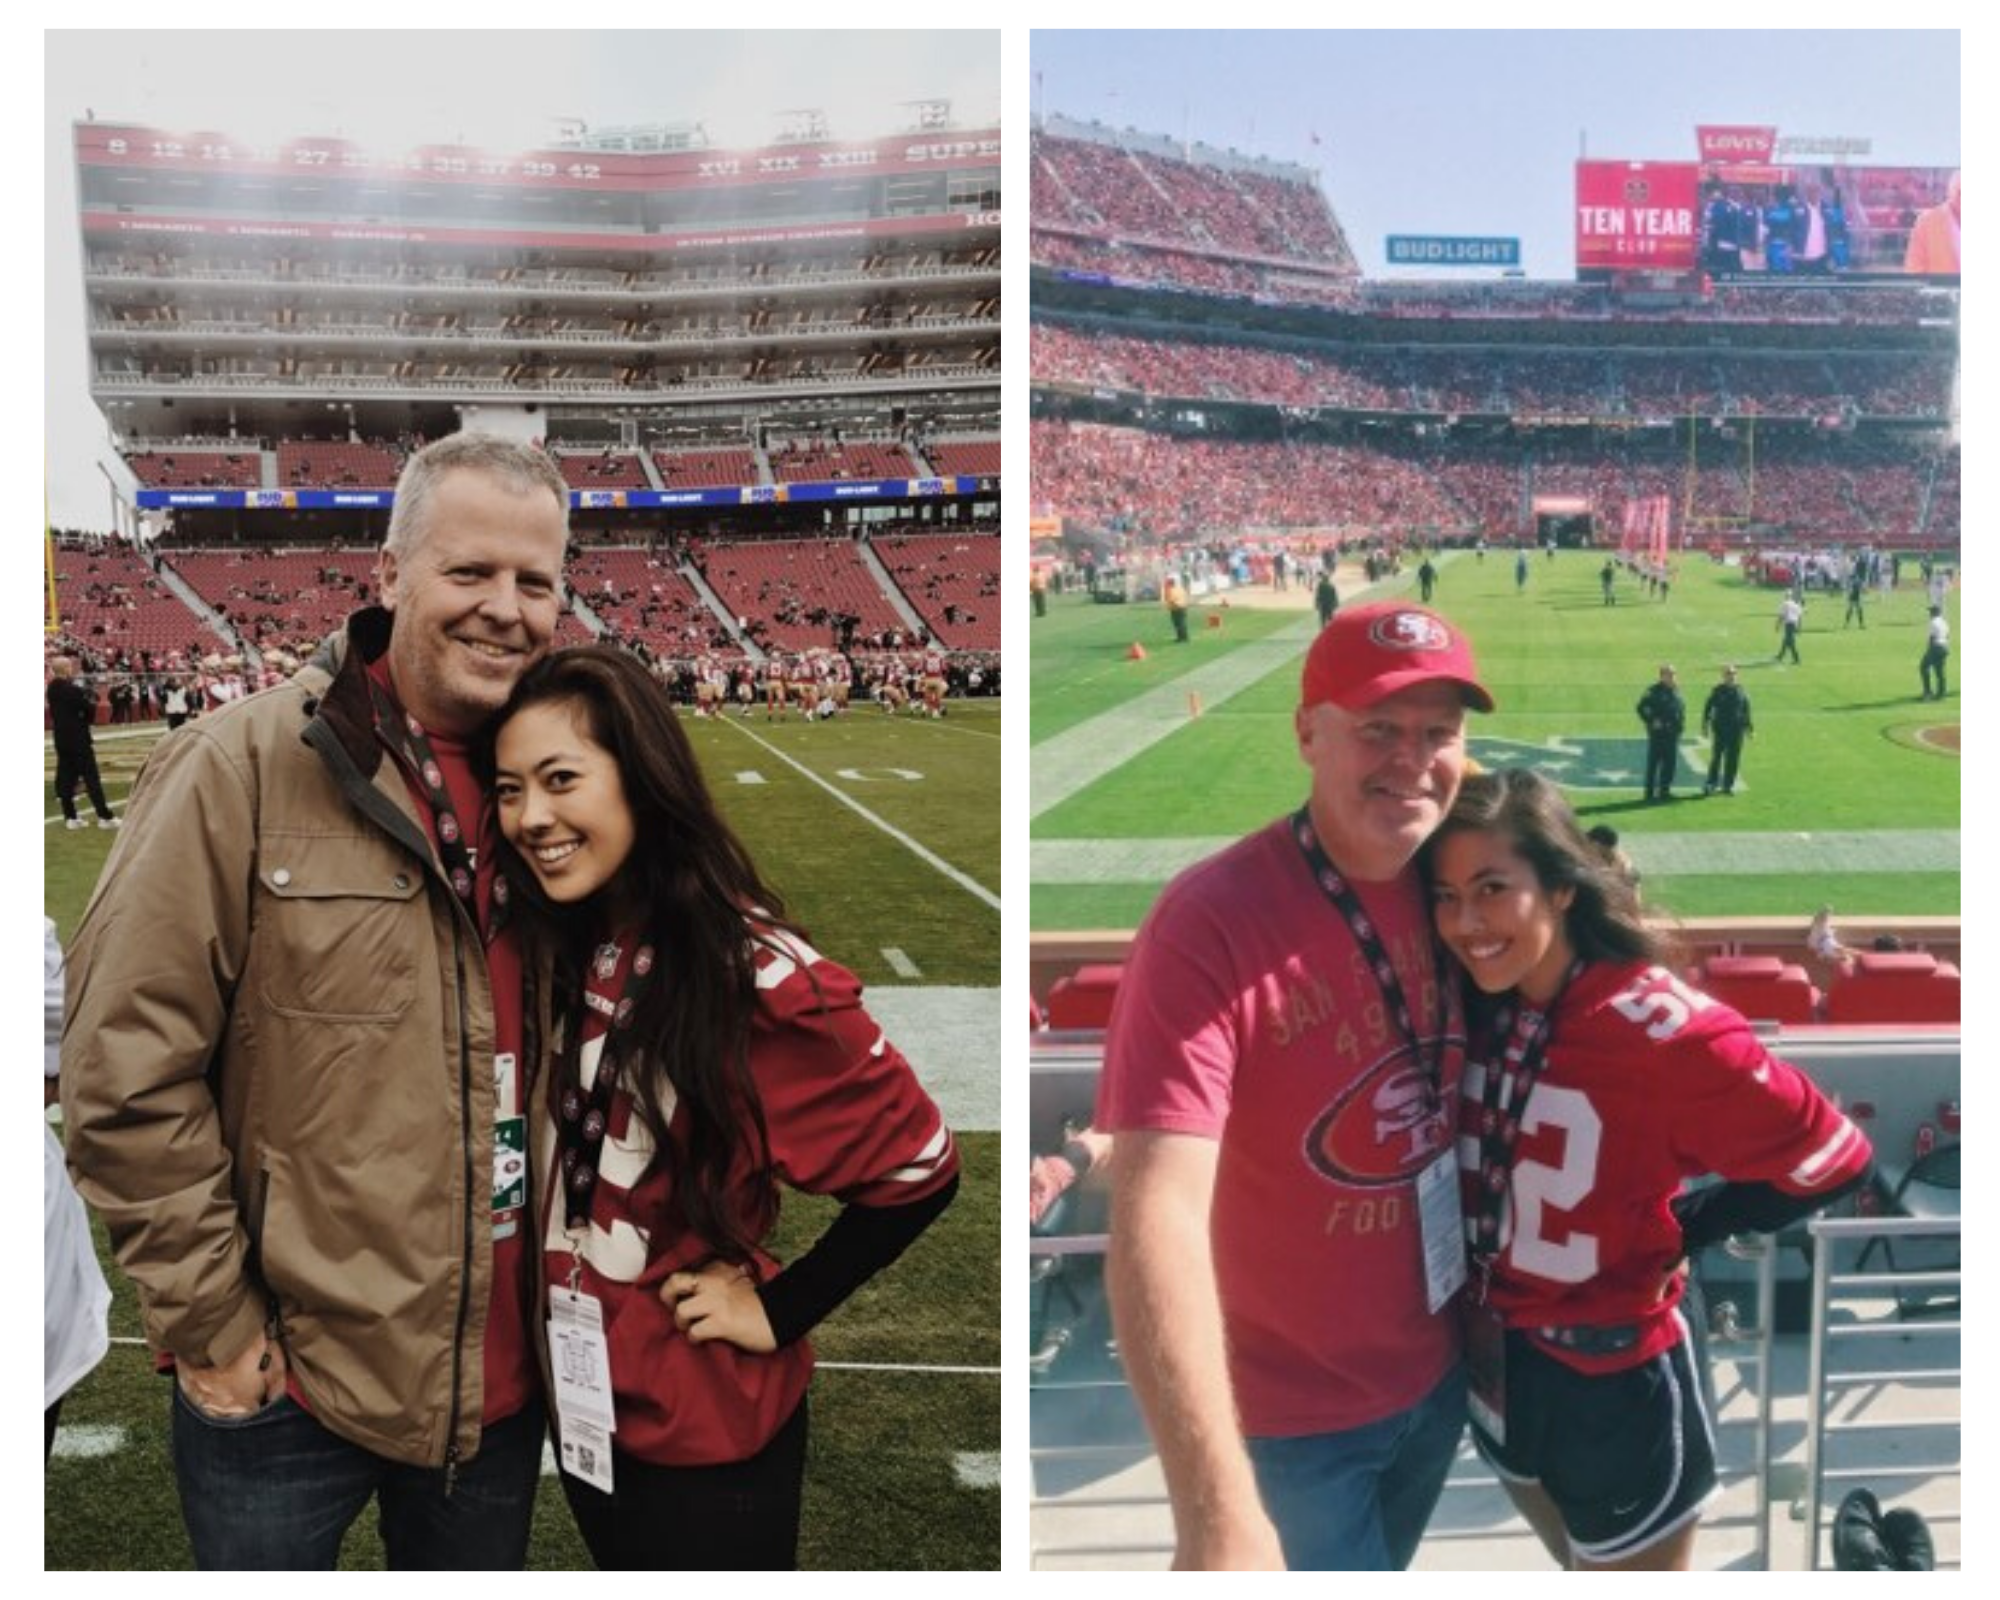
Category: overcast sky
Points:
column 501, row 91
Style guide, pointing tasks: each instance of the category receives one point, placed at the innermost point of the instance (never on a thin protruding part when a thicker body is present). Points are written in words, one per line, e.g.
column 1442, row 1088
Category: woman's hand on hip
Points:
column 719, row 1301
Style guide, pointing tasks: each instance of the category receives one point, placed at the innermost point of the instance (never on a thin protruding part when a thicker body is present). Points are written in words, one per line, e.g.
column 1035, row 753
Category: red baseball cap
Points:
column 1368, row 652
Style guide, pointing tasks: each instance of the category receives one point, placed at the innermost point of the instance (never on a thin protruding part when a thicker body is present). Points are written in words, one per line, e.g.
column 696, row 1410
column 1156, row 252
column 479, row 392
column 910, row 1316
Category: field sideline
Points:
column 1849, row 787
column 883, row 836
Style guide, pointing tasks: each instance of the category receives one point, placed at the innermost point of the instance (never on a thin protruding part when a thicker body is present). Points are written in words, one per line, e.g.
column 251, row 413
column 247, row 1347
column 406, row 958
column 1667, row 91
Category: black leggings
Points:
column 740, row 1516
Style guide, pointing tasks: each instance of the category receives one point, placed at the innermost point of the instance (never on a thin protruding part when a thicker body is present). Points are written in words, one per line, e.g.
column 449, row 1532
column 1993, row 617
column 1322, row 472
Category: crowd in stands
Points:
column 1137, row 188
column 1823, row 488
column 1508, row 381
column 1165, row 488
column 809, row 591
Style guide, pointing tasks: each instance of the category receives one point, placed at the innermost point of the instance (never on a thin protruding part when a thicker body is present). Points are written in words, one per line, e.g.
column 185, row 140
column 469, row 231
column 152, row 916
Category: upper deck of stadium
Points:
column 229, row 287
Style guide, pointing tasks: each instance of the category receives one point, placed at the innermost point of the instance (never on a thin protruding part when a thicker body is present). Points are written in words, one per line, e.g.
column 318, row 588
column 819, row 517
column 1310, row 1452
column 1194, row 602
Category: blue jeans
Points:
column 1357, row 1501
column 277, row 1491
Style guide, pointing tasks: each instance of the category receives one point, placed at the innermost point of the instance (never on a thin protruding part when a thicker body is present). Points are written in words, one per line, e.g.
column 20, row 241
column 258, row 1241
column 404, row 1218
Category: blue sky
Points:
column 1464, row 132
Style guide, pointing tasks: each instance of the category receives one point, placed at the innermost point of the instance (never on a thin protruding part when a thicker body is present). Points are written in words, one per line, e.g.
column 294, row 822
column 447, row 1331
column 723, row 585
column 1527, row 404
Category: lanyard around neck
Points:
column 613, row 990
column 405, row 736
column 1334, row 885
column 1510, row 1080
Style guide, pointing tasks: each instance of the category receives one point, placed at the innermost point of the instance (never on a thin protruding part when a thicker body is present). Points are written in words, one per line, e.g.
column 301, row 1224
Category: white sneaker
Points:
column 106, row 822
column 73, row 823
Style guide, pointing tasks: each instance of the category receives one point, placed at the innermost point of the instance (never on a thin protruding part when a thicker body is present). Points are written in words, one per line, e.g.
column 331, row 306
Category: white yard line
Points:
column 971, row 886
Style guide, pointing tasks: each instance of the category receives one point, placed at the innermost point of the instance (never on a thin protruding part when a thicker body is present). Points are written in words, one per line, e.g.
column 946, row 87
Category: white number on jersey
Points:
column 1660, row 1003
column 1538, row 1187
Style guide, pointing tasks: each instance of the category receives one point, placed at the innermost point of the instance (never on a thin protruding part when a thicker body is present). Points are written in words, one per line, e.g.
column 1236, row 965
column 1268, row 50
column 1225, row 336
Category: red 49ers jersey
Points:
column 845, row 1115
column 1647, row 1082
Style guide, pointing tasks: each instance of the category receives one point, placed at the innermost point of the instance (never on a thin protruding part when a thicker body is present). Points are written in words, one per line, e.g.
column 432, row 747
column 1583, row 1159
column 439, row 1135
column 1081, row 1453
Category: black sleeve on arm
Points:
column 1709, row 1215
column 860, row 1243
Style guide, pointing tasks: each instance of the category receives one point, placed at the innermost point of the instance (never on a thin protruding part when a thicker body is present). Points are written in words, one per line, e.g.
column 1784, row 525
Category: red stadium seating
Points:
column 863, row 460
column 791, row 589
column 112, row 606
column 1895, row 986
column 198, row 469
column 706, row 469
column 337, row 464
column 965, row 458
column 952, row 580
column 601, row 469
column 1763, row 988
column 1083, row 999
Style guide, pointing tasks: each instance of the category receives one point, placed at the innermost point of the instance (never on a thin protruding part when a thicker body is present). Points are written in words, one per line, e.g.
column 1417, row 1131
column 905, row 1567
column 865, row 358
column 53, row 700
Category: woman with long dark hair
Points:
column 1596, row 1081
column 696, row 1053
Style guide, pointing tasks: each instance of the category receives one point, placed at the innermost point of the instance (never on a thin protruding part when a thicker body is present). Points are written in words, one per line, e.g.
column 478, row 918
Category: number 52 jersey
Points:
column 1647, row 1082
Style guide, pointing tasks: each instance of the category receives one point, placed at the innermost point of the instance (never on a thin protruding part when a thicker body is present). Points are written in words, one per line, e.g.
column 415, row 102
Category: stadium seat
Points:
column 1083, row 999
column 1763, row 988
column 1895, row 986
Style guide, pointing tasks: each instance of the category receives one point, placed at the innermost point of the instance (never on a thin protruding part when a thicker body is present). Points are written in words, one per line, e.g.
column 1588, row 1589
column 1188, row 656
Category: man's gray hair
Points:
column 520, row 466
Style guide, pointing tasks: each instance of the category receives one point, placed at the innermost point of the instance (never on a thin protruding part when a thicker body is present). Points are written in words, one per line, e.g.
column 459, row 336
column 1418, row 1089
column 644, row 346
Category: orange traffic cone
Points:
column 1194, row 704
column 1137, row 652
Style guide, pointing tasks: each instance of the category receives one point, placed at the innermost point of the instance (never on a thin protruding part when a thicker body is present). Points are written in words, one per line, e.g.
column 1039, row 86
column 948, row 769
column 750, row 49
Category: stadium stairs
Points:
column 720, row 610
column 890, row 587
column 211, row 619
column 580, row 607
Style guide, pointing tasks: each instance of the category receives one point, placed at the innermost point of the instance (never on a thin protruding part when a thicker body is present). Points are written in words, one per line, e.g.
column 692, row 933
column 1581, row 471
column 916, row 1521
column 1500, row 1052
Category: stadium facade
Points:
column 797, row 340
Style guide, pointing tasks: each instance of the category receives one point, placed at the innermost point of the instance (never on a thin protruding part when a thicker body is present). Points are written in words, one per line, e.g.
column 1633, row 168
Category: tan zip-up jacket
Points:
column 277, row 1069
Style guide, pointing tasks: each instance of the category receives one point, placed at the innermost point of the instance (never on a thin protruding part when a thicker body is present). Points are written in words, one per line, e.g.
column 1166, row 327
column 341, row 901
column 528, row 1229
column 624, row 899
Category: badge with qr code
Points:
column 586, row 1453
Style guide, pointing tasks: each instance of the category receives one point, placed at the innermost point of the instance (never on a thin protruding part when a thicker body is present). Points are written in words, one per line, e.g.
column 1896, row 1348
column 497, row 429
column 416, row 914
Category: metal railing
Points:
column 1825, row 1381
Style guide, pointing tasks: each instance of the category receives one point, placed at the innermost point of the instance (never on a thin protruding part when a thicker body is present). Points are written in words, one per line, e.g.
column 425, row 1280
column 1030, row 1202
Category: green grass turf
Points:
column 881, row 1490
column 1840, row 742
column 1079, row 664
column 855, row 888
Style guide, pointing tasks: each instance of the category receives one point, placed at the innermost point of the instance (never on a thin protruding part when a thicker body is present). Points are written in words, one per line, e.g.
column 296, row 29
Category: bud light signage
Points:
column 1424, row 250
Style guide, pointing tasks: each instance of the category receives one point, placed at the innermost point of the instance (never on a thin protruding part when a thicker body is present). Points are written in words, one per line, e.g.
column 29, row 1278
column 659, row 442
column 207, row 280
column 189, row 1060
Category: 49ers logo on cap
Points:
column 1383, row 1130
column 1409, row 630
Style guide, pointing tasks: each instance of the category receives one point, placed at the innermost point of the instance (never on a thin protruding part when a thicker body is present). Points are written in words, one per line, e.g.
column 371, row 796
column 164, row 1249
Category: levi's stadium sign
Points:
column 1419, row 250
column 1736, row 146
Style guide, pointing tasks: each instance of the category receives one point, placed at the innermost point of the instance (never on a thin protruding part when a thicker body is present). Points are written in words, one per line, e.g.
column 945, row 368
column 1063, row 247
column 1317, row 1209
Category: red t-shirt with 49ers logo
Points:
column 1248, row 1014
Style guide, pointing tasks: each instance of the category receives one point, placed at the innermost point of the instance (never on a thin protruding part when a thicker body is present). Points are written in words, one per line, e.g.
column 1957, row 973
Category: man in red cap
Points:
column 1285, row 1233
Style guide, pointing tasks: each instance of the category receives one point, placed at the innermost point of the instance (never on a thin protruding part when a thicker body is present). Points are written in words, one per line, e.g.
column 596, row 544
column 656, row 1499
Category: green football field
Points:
column 883, row 836
column 1848, row 794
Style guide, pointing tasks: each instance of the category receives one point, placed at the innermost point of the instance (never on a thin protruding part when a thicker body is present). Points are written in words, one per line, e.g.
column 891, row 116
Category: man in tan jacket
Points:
column 292, row 1070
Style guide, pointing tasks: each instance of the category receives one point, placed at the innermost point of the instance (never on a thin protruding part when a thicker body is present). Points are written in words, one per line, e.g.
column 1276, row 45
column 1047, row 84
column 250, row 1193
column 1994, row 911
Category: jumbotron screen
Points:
column 1802, row 221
